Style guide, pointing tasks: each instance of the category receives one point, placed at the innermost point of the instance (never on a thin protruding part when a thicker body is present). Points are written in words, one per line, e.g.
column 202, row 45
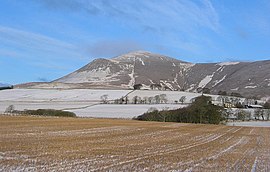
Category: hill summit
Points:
column 140, row 67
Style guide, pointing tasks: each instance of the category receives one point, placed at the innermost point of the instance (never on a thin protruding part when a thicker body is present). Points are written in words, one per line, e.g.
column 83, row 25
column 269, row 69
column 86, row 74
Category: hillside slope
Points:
column 247, row 78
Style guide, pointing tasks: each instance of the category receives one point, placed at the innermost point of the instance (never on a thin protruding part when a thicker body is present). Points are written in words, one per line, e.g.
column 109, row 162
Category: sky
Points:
column 42, row 40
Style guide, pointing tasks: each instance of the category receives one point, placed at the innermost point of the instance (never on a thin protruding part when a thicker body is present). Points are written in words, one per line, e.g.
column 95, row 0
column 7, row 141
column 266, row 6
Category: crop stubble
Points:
column 61, row 144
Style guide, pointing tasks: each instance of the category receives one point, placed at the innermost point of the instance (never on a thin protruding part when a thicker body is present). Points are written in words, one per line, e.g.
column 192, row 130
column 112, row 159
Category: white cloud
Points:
column 35, row 43
column 159, row 15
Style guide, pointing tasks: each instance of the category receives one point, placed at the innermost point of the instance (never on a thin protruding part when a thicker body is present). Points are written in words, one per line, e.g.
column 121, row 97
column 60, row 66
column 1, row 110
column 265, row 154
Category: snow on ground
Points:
column 250, row 123
column 43, row 105
column 59, row 95
column 55, row 99
column 81, row 101
column 121, row 111
column 84, row 101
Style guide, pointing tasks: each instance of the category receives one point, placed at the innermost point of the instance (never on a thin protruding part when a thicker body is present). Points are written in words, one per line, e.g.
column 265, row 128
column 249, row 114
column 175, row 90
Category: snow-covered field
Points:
column 121, row 111
column 86, row 102
column 250, row 124
column 55, row 98
column 51, row 95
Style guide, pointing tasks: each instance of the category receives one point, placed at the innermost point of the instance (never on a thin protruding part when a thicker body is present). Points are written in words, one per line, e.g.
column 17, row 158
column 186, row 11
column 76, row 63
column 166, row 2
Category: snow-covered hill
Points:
column 123, row 72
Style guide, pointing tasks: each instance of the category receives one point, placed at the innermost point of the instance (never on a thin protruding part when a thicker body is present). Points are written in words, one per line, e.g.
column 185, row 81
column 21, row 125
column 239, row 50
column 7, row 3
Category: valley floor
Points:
column 73, row 144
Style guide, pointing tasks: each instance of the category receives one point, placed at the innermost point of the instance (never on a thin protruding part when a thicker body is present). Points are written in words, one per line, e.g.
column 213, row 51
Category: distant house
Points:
column 254, row 106
column 228, row 105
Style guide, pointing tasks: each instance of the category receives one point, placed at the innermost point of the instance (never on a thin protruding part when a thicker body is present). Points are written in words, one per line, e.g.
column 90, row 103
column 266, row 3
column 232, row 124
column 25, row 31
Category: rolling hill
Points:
column 246, row 78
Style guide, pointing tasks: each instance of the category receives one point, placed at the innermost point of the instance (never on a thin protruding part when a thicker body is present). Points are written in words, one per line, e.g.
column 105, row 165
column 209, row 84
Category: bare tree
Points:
column 157, row 99
column 136, row 99
column 126, row 100
column 10, row 109
column 267, row 113
column 150, row 100
column 182, row 99
column 104, row 98
column 163, row 98
column 145, row 99
column 258, row 113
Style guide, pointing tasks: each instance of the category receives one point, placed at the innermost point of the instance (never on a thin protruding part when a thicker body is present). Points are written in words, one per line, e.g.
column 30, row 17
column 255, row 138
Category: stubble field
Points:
column 73, row 144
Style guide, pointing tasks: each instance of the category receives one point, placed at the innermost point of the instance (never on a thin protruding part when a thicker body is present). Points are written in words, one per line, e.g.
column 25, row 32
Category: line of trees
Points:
column 157, row 99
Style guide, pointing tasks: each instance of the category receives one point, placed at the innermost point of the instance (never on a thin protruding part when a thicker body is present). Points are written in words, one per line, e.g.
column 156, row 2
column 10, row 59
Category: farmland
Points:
column 72, row 144
column 86, row 102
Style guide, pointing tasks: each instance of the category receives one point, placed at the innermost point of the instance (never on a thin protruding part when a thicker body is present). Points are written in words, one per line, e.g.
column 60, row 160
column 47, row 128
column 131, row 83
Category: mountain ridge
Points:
column 140, row 67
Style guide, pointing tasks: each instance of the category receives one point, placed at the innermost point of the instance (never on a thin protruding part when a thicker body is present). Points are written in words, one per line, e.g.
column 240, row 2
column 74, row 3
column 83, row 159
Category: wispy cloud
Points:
column 160, row 15
column 33, row 42
column 180, row 21
column 70, row 5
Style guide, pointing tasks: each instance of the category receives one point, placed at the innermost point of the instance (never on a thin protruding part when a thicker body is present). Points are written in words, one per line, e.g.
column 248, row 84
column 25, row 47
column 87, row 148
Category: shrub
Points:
column 50, row 112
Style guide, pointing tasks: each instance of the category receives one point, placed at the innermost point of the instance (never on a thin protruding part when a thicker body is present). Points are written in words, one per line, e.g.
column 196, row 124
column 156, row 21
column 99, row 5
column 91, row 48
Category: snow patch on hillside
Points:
column 141, row 61
column 235, row 89
column 186, row 65
column 175, row 78
column 167, row 84
column 228, row 63
column 132, row 79
column 192, row 86
column 251, row 86
column 220, row 69
column 219, row 81
column 205, row 81
column 96, row 75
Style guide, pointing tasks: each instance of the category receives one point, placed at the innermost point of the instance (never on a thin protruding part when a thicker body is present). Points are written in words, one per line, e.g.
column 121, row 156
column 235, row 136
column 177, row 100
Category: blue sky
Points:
column 41, row 40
